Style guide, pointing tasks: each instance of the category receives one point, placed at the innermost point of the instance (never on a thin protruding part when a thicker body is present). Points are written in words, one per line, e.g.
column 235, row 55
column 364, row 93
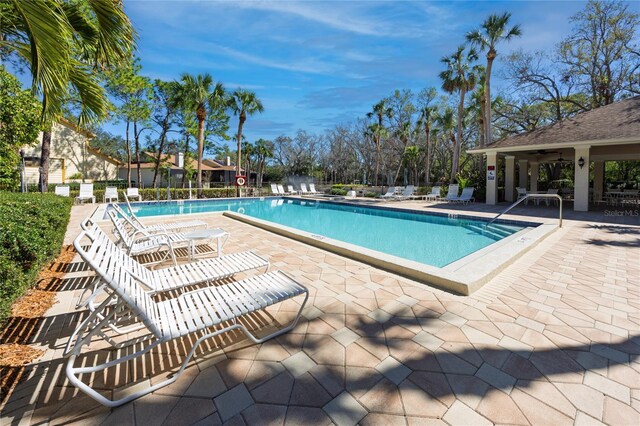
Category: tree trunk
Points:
column 456, row 148
column 184, row 168
column 427, row 169
column 45, row 153
column 128, row 156
column 238, row 166
column 158, row 158
column 375, row 179
column 487, row 93
column 136, row 138
column 200, row 153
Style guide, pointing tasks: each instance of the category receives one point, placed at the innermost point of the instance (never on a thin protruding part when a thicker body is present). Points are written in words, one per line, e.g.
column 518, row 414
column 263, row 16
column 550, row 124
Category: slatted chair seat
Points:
column 133, row 221
column 198, row 311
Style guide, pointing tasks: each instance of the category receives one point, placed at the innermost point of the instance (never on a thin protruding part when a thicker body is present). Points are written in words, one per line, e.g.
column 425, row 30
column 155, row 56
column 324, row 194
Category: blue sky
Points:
column 316, row 64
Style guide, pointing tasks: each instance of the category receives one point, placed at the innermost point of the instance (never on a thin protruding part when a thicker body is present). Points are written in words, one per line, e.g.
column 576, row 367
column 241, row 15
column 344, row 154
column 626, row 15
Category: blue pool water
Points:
column 425, row 238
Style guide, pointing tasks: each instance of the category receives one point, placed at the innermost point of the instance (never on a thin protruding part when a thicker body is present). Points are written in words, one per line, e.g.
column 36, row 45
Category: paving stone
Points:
column 407, row 300
column 608, row 386
column 375, row 419
column 189, row 410
column 393, row 370
column 536, row 412
column 500, row 409
column 344, row 410
column 468, row 389
column 380, row 316
column 459, row 413
column 303, row 416
column 584, row 398
column 276, row 390
column 207, row 384
column 416, row 402
column 618, row 413
column 265, row 414
column 233, row 402
column 308, row 392
column 383, row 398
column 496, row 378
column 427, row 340
column 298, row 364
column 345, row 336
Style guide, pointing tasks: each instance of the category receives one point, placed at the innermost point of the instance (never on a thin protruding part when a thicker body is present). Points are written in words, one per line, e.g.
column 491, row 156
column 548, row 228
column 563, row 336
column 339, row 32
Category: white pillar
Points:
column 598, row 180
column 492, row 178
column 524, row 173
column 535, row 170
column 581, row 181
column 509, row 177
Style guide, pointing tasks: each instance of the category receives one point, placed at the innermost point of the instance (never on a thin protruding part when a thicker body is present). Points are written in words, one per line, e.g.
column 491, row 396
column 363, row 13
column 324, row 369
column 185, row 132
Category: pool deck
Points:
column 552, row 339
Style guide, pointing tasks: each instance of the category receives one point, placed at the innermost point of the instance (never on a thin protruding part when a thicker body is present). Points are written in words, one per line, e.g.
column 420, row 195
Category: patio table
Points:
column 205, row 234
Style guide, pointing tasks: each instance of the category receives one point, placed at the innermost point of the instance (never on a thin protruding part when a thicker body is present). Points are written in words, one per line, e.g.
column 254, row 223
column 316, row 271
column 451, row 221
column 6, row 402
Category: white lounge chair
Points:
column 207, row 312
column 303, row 189
column 171, row 278
column 452, row 193
column 548, row 200
column 281, row 190
column 465, row 197
column 312, row 189
column 86, row 193
column 290, row 189
column 434, row 195
column 187, row 225
column 133, row 193
column 407, row 193
column 62, row 190
column 391, row 192
column 274, row 189
column 140, row 242
column 110, row 194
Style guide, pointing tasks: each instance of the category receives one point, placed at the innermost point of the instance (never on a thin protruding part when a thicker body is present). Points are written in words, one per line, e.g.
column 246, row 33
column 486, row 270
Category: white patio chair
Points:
column 290, row 189
column 187, row 225
column 134, row 193
column 141, row 242
column 62, row 190
column 452, row 193
column 312, row 189
column 465, row 197
column 110, row 194
column 303, row 189
column 281, row 190
column 391, row 192
column 206, row 312
column 522, row 192
column 548, row 200
column 434, row 195
column 86, row 193
column 407, row 193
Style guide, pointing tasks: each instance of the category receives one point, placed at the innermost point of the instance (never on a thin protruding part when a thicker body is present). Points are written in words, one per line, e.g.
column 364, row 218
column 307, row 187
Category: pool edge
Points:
column 456, row 281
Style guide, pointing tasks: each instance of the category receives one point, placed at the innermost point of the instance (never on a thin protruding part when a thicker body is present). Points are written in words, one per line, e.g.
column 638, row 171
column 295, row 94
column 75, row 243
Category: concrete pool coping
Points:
column 463, row 276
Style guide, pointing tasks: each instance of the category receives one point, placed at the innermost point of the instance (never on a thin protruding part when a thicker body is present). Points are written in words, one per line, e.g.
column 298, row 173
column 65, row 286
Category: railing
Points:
column 526, row 197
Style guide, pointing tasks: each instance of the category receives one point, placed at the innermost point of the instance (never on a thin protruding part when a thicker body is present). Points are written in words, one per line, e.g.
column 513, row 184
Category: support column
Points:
column 598, row 180
column 535, row 170
column 509, row 177
column 524, row 173
column 581, row 180
column 492, row 178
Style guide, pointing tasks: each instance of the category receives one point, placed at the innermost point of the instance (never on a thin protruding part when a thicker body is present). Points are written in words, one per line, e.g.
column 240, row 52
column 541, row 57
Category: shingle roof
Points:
column 620, row 120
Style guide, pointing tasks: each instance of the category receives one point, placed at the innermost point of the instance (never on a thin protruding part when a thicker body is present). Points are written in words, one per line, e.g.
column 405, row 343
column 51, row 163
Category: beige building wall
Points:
column 70, row 155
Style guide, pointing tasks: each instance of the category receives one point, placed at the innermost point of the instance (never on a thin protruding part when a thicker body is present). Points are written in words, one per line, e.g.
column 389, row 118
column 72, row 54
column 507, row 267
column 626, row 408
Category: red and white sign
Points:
column 241, row 180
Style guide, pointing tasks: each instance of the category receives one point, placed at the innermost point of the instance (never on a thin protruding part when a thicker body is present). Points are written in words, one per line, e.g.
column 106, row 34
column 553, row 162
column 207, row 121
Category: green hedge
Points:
column 32, row 230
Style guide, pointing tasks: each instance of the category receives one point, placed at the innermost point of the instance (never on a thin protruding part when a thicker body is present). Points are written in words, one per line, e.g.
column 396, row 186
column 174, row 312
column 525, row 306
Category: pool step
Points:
column 494, row 232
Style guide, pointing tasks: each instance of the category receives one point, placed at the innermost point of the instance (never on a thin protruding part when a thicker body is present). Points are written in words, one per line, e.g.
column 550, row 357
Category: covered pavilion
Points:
column 608, row 133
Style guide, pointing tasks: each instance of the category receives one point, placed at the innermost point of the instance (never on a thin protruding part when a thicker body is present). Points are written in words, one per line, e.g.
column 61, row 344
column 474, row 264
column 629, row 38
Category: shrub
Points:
column 338, row 191
column 31, row 235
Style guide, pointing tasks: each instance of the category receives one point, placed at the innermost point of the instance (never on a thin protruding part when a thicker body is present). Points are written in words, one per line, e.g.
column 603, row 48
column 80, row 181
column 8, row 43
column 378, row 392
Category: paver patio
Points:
column 553, row 339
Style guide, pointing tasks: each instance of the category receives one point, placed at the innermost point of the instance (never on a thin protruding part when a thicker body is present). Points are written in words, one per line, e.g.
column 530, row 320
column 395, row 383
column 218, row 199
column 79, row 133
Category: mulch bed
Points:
column 26, row 315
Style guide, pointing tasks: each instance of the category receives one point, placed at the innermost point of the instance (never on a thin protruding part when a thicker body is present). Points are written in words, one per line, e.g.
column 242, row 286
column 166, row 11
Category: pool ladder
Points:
column 526, row 197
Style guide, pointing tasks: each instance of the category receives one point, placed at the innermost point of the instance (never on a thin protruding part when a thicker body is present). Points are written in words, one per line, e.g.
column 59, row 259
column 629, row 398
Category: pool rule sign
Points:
column 491, row 172
column 241, row 180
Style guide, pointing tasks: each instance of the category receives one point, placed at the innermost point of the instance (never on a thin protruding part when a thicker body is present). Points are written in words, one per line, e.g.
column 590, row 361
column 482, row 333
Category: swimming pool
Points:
column 425, row 238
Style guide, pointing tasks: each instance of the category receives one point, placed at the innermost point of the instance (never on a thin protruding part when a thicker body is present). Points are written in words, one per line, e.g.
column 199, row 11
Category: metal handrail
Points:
column 526, row 197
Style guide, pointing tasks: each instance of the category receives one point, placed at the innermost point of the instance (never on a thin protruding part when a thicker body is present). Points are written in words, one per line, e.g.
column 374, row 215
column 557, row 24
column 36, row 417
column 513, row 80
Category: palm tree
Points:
column 492, row 31
column 264, row 150
column 243, row 102
column 459, row 77
column 411, row 156
column 63, row 43
column 199, row 94
column 446, row 123
column 380, row 111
